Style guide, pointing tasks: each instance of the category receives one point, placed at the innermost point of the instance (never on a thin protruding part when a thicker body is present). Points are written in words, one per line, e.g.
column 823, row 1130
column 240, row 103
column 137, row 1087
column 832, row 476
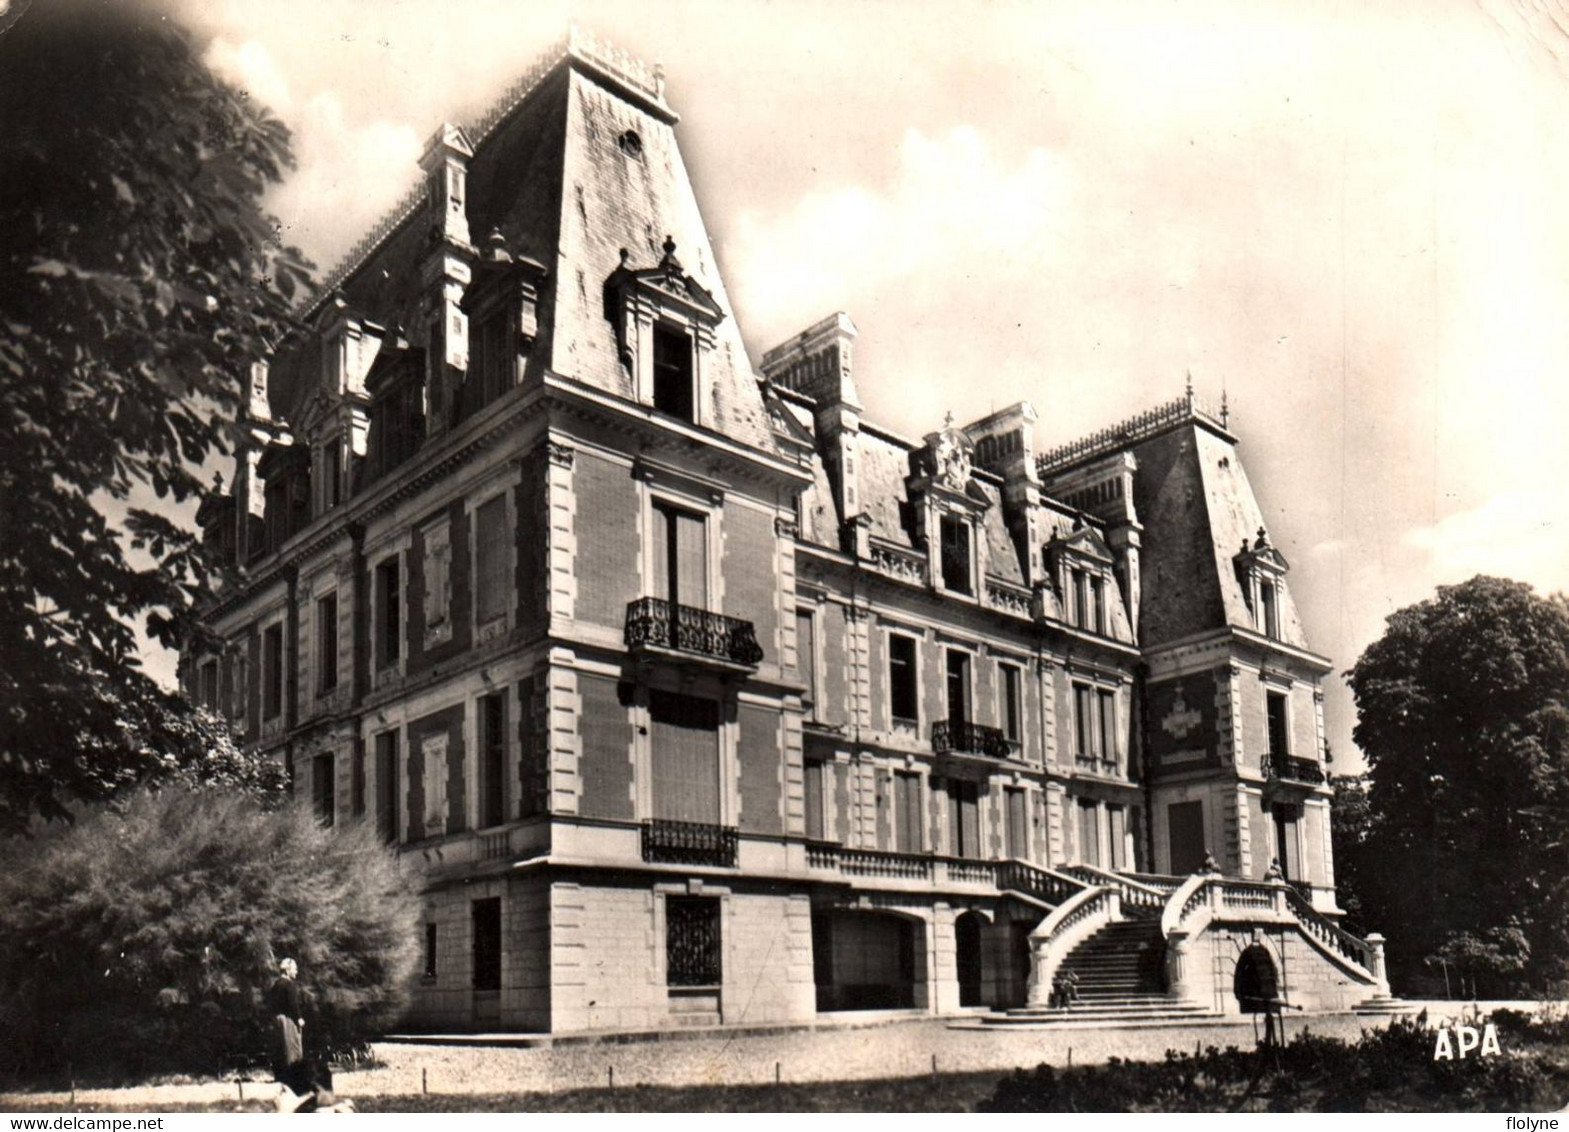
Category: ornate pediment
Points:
column 1083, row 543
column 1260, row 555
column 665, row 285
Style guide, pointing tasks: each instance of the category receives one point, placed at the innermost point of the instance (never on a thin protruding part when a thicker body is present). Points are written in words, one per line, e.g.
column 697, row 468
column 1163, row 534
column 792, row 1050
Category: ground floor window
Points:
column 487, row 944
column 692, row 941
column 866, row 960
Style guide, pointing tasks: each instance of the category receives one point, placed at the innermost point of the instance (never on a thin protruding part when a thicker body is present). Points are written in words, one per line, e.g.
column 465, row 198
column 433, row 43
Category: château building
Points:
column 699, row 697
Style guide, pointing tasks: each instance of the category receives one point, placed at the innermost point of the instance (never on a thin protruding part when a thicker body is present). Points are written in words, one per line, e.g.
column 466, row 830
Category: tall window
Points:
column 486, row 918
column 430, row 951
column 491, row 540
column 1017, row 817
column 388, row 809
column 673, row 392
column 1275, row 710
column 207, row 685
column 1286, row 816
column 490, row 363
column 1009, row 709
column 331, row 474
column 958, row 685
column 1083, row 723
column 1097, row 615
column 493, row 759
column 324, row 788
column 357, row 780
column 692, row 943
column 816, row 782
column 907, row 812
column 272, row 672
column 956, row 570
column 806, row 658
column 680, row 556
column 1269, row 613
column 902, row 692
column 1081, row 599
column 1106, row 721
column 964, row 815
column 389, row 613
column 1117, row 836
column 1089, row 833
column 327, row 643
column 685, row 754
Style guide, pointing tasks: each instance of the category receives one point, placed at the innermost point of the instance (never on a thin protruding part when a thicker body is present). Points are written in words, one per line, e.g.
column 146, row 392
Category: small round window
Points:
column 631, row 144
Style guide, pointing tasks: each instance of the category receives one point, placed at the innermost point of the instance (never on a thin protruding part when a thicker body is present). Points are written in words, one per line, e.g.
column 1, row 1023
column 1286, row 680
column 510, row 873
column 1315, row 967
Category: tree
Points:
column 139, row 278
column 141, row 936
column 1463, row 714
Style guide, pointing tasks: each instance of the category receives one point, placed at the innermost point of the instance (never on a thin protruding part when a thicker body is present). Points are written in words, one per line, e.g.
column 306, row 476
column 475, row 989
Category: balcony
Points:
column 689, row 843
column 656, row 627
column 961, row 737
column 1285, row 768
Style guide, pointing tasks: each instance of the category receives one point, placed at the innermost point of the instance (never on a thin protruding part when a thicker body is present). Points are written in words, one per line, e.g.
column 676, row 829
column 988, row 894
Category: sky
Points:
column 1346, row 217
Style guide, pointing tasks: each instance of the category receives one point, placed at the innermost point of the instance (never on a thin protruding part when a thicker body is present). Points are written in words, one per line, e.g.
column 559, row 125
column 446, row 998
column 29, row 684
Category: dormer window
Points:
column 673, row 391
column 664, row 323
column 1261, row 571
column 957, row 560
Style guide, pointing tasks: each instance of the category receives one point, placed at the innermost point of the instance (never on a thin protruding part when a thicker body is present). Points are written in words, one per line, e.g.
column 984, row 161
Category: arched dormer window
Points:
column 664, row 322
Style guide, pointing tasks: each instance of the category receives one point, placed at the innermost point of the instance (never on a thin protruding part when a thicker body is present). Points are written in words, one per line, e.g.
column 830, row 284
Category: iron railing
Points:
column 653, row 622
column 1291, row 769
column 689, row 843
column 960, row 735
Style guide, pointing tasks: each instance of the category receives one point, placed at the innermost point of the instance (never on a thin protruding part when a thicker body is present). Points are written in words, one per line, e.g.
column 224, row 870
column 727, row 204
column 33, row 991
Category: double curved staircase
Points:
column 1128, row 944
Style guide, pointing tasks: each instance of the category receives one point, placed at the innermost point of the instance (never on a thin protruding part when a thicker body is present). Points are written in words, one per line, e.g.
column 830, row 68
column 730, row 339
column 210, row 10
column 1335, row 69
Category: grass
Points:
column 947, row 1092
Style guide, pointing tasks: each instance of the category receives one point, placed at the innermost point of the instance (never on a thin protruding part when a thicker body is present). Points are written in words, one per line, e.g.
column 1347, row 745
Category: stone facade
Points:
column 701, row 698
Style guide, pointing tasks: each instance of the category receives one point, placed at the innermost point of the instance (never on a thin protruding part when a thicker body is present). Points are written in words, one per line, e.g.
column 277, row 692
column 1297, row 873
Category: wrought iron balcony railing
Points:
column 1291, row 769
column 689, row 843
column 653, row 622
column 963, row 737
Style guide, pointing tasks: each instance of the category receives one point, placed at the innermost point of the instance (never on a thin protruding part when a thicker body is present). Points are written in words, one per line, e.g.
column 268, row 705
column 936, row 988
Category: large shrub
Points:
column 141, row 937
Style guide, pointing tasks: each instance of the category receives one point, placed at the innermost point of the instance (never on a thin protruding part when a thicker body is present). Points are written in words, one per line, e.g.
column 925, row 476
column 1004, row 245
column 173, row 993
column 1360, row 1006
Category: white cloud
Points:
column 1514, row 534
column 348, row 172
column 952, row 207
column 251, row 67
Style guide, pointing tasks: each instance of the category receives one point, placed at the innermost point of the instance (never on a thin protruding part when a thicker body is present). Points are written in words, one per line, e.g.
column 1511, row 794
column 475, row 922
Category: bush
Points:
column 1391, row 1069
column 142, row 937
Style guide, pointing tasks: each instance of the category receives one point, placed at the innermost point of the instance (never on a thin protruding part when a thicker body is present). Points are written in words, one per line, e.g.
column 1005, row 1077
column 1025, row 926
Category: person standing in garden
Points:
column 286, row 1007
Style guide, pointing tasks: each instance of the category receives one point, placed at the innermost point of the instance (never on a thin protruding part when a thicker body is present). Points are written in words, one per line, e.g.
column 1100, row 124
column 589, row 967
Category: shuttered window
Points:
column 964, row 831
column 1012, row 716
column 685, row 741
column 491, row 538
column 680, row 556
column 1018, row 824
column 806, row 658
column 907, row 811
column 1089, row 834
column 816, row 827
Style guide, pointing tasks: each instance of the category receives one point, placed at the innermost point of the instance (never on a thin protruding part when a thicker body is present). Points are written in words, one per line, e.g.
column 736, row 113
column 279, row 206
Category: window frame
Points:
column 1283, row 697
column 327, row 662
column 914, row 678
column 1010, row 702
column 274, row 682
column 965, row 528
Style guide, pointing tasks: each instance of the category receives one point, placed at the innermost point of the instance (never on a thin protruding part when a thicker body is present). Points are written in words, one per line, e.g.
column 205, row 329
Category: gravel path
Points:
column 896, row 1049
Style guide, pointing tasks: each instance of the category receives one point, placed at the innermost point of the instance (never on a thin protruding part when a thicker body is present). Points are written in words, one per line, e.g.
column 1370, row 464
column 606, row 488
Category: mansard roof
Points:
column 577, row 162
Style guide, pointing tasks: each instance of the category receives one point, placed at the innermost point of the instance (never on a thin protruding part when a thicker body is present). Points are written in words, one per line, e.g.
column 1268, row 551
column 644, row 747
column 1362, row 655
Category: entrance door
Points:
column 967, row 957
column 487, row 961
column 1286, row 841
column 1186, row 823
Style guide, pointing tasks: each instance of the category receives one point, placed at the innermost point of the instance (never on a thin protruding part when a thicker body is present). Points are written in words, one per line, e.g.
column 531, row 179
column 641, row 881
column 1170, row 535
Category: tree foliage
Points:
column 142, row 936
column 139, row 278
column 1463, row 714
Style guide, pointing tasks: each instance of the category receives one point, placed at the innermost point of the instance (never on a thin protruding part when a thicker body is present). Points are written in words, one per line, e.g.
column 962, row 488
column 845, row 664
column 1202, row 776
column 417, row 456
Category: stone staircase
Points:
column 1121, row 974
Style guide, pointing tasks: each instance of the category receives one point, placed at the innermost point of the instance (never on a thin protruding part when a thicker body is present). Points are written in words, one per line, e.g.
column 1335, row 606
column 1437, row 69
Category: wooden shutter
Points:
column 1018, row 825
column 685, row 738
column 1089, row 835
column 490, row 543
column 1117, row 819
column 691, row 560
column 814, row 800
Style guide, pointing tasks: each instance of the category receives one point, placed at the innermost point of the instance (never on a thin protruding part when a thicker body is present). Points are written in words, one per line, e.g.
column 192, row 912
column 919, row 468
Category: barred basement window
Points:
column 692, row 943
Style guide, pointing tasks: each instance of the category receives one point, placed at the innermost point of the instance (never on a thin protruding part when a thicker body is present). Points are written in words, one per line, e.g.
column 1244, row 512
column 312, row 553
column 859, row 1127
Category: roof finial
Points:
column 947, row 420
column 1190, row 387
column 1225, row 407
